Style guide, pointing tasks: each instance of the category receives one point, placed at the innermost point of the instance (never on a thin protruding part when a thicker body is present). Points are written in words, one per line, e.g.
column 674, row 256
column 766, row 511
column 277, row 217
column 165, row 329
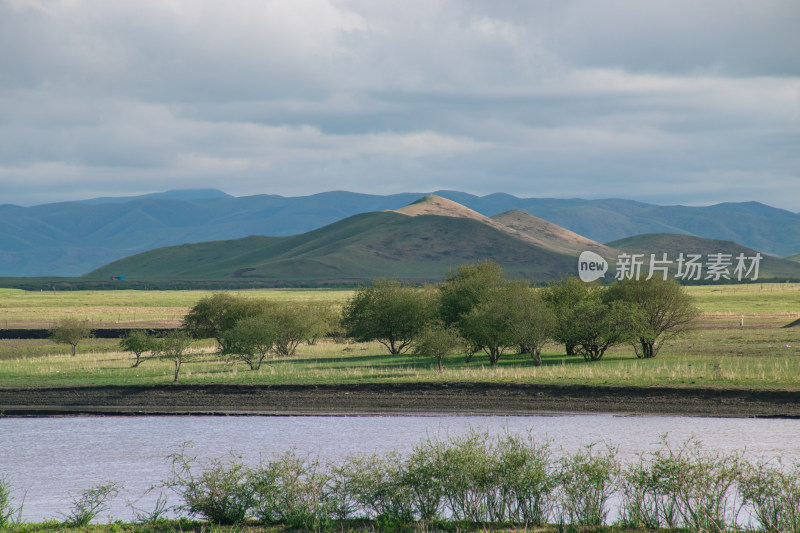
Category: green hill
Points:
column 69, row 238
column 770, row 267
column 361, row 247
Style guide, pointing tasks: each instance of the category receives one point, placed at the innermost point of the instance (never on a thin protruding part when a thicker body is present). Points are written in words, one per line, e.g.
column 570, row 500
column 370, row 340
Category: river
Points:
column 50, row 460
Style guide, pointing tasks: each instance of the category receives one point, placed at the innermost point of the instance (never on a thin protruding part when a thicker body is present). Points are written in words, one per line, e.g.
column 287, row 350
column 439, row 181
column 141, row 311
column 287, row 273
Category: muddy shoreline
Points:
column 396, row 399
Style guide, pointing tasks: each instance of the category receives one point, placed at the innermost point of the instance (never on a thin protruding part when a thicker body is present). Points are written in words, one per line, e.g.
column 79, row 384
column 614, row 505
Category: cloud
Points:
column 663, row 101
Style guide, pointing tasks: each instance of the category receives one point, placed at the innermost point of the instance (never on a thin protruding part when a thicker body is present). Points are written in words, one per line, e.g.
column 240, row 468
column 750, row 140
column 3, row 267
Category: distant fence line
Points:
column 104, row 333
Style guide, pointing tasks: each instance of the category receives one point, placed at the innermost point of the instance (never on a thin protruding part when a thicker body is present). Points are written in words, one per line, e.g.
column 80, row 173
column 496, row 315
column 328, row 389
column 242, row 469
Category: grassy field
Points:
column 764, row 300
column 750, row 357
column 129, row 308
column 22, row 309
column 721, row 353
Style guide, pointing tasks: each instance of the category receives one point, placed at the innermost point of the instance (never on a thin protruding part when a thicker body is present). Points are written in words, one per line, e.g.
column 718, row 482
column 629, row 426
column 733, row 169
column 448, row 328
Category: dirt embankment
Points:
column 395, row 399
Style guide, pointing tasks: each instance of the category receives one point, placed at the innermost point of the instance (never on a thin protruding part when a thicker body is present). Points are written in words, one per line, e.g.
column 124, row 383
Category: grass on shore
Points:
column 344, row 526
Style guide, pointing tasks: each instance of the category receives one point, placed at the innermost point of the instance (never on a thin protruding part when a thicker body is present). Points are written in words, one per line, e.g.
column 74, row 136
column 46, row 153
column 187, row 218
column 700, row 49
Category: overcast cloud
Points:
column 664, row 101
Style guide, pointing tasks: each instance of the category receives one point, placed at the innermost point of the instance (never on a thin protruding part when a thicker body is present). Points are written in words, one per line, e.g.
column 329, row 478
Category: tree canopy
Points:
column 665, row 310
column 389, row 312
column 71, row 331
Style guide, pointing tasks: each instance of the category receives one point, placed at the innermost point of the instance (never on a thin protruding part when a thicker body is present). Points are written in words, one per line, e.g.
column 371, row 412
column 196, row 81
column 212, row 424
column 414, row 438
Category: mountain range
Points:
column 420, row 242
column 72, row 238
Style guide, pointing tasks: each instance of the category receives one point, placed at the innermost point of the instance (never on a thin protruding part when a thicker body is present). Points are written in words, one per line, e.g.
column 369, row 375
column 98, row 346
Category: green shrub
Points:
column 495, row 480
column 423, row 480
column 701, row 484
column 645, row 499
column 90, row 503
column 8, row 512
column 378, row 486
column 774, row 495
column 526, row 480
column 587, row 481
column 219, row 491
column 295, row 491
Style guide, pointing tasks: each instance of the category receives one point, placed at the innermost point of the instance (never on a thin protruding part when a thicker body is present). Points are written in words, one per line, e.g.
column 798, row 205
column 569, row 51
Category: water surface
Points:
column 53, row 459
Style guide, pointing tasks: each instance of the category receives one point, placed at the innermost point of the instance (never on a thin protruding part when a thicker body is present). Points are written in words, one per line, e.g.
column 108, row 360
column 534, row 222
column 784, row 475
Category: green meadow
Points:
column 721, row 352
column 127, row 308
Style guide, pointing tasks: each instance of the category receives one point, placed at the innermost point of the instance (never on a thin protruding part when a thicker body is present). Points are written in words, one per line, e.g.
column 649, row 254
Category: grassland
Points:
column 126, row 308
column 761, row 354
column 755, row 358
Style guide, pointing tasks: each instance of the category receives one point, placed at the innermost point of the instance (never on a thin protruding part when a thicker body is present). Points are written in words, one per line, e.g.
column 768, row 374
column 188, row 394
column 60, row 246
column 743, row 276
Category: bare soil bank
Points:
column 395, row 399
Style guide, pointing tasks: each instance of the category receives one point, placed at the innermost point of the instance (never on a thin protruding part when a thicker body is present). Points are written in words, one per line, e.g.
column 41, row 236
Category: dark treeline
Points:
column 471, row 479
column 99, row 333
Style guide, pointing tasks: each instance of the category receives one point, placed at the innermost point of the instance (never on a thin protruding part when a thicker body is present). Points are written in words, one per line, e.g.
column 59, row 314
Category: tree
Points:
column 666, row 311
column 213, row 315
column 562, row 298
column 388, row 312
column 486, row 326
column 467, row 287
column 172, row 345
column 250, row 340
column 596, row 325
column 461, row 293
column 531, row 321
column 292, row 324
column 71, row 331
column 322, row 320
column 437, row 340
column 137, row 342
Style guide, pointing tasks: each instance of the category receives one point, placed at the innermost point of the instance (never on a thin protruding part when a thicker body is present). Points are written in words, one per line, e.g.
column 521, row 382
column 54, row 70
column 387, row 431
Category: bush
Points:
column 774, row 495
column 423, row 480
column 156, row 514
column 496, row 480
column 90, row 503
column 698, row 484
column 587, row 480
column 220, row 492
column 8, row 513
column 645, row 500
column 526, row 479
column 378, row 485
column 296, row 491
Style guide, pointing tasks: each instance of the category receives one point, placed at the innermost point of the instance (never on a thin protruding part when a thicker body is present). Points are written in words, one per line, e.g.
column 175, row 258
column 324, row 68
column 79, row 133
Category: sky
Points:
column 662, row 101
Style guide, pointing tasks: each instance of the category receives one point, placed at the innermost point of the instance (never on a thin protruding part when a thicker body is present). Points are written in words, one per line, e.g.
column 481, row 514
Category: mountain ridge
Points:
column 71, row 238
column 362, row 247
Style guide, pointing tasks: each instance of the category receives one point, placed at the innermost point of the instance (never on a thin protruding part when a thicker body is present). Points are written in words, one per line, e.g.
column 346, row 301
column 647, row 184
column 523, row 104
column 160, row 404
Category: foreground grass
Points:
column 344, row 526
